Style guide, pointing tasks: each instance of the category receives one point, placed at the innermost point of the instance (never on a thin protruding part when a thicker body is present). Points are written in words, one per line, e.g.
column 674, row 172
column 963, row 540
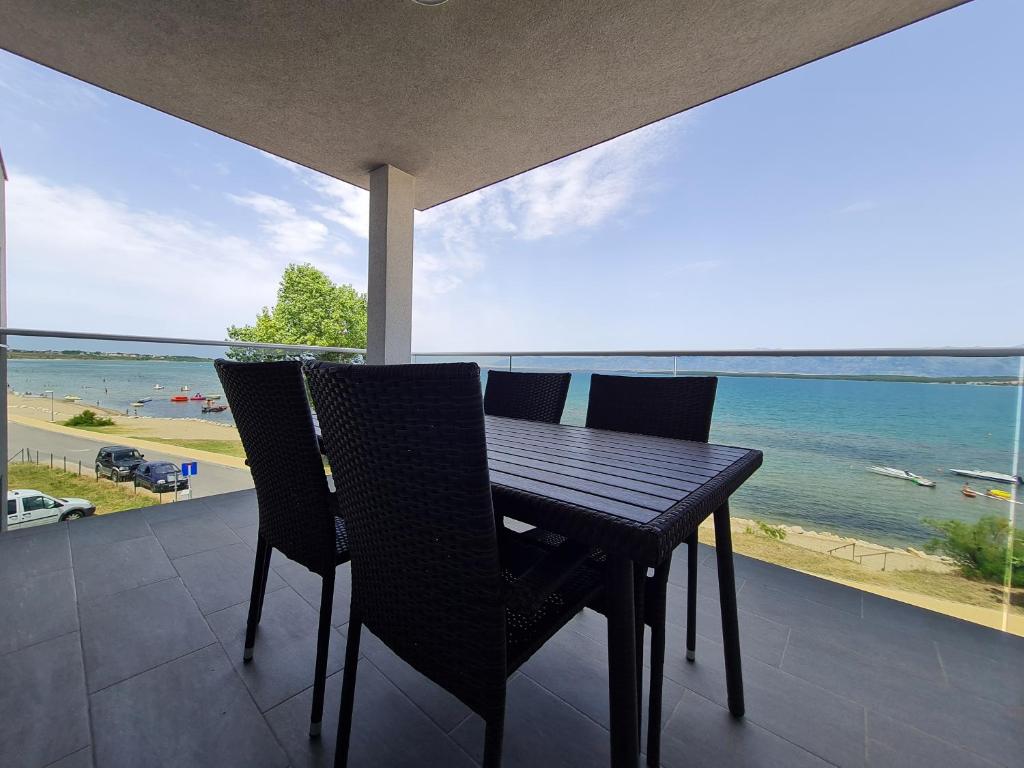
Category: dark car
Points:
column 118, row 462
column 159, row 476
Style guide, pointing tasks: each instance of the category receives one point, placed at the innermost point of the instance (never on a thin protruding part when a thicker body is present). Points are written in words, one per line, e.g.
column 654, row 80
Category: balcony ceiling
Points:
column 461, row 96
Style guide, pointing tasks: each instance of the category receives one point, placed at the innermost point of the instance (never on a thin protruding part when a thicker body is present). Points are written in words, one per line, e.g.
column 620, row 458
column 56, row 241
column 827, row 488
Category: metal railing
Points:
column 863, row 352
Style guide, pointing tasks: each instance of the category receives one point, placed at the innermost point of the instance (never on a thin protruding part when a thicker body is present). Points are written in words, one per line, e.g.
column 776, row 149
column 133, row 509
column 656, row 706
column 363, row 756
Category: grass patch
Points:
column 111, row 430
column 226, row 447
column 56, row 482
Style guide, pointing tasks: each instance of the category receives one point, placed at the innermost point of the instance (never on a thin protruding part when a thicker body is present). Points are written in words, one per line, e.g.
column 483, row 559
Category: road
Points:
column 212, row 478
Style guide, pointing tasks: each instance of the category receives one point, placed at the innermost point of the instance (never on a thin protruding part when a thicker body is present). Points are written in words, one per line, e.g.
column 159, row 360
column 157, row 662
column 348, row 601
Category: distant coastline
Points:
column 77, row 354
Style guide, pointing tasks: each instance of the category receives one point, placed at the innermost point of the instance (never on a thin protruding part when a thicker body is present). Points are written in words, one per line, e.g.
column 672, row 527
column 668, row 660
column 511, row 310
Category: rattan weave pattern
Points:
column 531, row 396
column 679, row 407
column 408, row 454
column 296, row 506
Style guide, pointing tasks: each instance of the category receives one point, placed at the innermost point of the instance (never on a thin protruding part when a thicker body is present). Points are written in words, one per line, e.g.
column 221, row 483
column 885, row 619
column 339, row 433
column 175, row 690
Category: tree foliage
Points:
column 311, row 310
column 980, row 548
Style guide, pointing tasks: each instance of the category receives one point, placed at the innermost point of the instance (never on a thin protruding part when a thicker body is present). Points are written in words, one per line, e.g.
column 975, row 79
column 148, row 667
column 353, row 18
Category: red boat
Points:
column 197, row 396
column 179, row 399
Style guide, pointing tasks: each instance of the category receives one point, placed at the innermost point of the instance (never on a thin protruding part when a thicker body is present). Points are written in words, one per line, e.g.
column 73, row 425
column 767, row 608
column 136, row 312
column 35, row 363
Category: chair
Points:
column 433, row 575
column 680, row 408
column 296, row 507
column 529, row 396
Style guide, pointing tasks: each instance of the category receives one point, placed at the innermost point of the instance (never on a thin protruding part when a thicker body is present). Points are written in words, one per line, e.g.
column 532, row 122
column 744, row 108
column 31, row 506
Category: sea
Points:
column 818, row 436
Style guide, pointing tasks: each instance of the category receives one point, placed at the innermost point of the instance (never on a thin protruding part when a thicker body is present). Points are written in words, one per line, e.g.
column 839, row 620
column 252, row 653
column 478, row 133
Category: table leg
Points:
column 622, row 681
column 730, row 619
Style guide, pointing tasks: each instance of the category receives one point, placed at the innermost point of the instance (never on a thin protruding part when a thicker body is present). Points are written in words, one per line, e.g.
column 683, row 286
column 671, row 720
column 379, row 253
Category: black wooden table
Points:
column 636, row 497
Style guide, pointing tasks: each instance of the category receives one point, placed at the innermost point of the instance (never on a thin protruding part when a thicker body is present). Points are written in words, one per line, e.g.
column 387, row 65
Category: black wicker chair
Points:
column 529, row 396
column 298, row 512
column 433, row 575
column 680, row 408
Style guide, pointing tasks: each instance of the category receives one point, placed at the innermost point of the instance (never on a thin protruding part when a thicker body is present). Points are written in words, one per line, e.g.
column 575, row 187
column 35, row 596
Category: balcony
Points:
column 123, row 636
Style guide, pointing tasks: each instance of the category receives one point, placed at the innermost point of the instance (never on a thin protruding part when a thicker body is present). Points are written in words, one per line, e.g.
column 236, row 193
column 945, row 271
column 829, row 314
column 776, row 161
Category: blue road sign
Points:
column 189, row 468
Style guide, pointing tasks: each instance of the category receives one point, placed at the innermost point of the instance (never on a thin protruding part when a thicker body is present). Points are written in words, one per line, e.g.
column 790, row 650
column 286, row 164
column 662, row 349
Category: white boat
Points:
column 185, row 388
column 213, row 397
column 138, row 404
column 158, row 386
column 903, row 474
column 72, row 398
column 996, row 477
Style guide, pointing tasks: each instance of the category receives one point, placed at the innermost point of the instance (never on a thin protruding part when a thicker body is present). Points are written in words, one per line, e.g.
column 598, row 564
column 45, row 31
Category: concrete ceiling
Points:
column 460, row 95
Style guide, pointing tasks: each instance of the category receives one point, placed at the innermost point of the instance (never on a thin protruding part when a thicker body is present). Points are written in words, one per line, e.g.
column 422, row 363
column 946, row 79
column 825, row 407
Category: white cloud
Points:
column 111, row 267
column 289, row 231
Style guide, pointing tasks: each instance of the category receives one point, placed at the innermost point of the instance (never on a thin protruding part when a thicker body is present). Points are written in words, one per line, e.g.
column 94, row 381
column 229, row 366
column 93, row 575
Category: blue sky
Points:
column 872, row 198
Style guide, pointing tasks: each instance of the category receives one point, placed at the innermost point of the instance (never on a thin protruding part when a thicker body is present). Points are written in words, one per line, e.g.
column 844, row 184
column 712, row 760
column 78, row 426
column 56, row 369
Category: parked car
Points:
column 159, row 476
column 118, row 462
column 27, row 507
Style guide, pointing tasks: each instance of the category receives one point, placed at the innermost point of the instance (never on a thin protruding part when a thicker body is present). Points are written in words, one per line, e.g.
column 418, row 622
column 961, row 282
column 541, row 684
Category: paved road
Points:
column 212, row 479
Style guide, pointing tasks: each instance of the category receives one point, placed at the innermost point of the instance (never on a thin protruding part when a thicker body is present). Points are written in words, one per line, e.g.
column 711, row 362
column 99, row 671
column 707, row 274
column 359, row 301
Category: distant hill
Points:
column 78, row 354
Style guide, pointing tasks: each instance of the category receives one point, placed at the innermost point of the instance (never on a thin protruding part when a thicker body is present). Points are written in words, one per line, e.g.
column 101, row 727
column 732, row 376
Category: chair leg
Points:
column 348, row 690
column 255, row 597
column 730, row 621
column 691, row 597
column 323, row 644
column 654, row 705
column 639, row 588
column 263, row 582
column 493, row 738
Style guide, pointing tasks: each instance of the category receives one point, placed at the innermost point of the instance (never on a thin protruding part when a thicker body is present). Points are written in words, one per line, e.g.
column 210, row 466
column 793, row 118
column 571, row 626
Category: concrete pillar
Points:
column 389, row 291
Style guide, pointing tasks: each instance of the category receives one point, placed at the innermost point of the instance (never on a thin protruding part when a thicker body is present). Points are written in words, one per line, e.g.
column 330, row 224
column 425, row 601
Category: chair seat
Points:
column 570, row 585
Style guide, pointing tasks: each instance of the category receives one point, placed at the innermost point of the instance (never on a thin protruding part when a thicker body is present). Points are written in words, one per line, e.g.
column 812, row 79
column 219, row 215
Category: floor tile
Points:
column 43, row 550
column 132, row 631
column 37, row 608
column 892, row 744
column 540, row 729
column 236, row 510
column 189, row 535
column 80, row 759
column 44, row 714
column 191, row 711
column 108, row 568
column 701, row 732
column 387, row 728
column 219, row 578
column 107, row 529
column 999, row 681
column 285, row 653
column 308, row 585
column 175, row 510
column 442, row 707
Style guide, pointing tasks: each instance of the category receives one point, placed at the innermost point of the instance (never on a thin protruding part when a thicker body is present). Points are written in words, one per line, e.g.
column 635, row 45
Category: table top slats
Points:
column 646, row 480
column 550, row 445
column 571, row 496
column 604, row 486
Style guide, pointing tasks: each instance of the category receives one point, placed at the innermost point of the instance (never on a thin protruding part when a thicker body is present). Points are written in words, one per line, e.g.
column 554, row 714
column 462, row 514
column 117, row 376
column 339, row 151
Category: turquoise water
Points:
column 817, row 437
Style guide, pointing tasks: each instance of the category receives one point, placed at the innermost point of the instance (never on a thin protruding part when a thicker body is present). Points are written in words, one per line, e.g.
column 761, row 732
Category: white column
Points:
column 3, row 351
column 389, row 291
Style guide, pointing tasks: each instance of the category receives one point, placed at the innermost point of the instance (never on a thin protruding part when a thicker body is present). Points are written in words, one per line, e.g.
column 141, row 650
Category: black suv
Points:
column 118, row 462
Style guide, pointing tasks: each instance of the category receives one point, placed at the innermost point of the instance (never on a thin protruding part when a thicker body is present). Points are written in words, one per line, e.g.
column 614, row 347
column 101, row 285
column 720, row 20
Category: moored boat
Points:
column 999, row 493
column 158, row 386
column 72, row 398
column 179, row 399
column 214, row 408
column 138, row 404
column 996, row 477
column 213, row 397
column 903, row 474
column 197, row 396
column 145, row 399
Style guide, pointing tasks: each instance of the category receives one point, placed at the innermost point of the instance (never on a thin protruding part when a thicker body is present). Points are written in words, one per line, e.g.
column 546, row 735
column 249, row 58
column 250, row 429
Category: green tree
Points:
column 980, row 548
column 311, row 310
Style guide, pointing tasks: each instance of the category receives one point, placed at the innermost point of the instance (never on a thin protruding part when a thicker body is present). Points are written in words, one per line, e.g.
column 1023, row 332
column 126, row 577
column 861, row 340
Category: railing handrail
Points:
column 845, row 352
column 35, row 332
column 866, row 352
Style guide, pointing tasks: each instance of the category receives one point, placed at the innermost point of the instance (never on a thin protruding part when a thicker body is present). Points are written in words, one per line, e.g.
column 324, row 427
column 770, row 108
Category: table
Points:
column 636, row 497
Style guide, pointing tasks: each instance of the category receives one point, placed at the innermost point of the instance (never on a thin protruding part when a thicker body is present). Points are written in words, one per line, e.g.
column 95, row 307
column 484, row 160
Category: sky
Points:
column 873, row 198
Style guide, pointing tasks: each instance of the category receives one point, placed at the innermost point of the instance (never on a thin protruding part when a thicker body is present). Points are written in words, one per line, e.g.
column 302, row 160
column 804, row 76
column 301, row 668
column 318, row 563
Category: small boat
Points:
column 969, row 492
column 999, row 494
column 138, row 404
column 185, row 388
column 197, row 396
column 179, row 399
column 145, row 399
column 213, row 397
column 158, row 386
column 996, row 477
column 903, row 474
column 72, row 398
column 214, row 408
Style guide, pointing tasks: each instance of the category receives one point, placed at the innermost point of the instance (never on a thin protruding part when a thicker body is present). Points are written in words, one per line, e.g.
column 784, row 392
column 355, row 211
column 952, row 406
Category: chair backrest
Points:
column 679, row 407
column 530, row 396
column 409, row 455
column 271, row 411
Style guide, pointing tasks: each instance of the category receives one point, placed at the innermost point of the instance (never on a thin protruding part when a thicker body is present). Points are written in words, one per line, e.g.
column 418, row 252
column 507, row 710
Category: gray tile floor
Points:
column 121, row 644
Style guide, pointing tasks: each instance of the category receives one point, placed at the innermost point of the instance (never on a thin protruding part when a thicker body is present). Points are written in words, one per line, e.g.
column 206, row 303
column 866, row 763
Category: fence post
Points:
column 79, row 467
column 51, row 459
column 65, row 463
